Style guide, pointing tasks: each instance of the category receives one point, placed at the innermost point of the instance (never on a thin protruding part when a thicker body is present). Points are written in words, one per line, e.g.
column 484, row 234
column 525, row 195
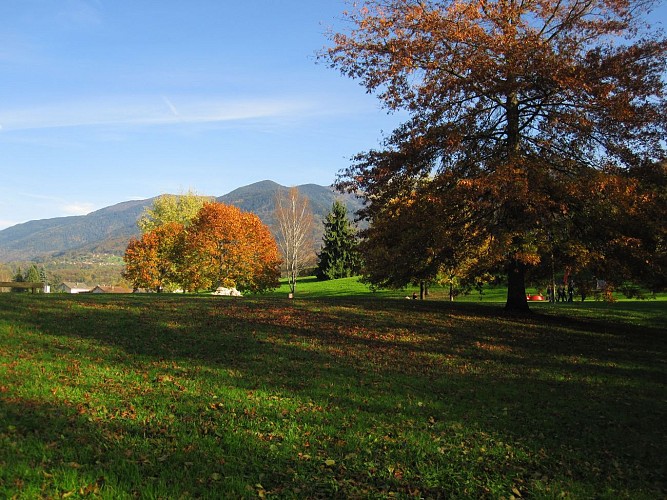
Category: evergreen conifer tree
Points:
column 339, row 257
column 18, row 277
column 42, row 275
column 32, row 274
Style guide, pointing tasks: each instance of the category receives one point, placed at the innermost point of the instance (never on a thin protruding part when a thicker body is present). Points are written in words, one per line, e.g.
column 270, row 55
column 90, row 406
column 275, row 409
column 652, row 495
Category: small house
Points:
column 73, row 287
column 111, row 289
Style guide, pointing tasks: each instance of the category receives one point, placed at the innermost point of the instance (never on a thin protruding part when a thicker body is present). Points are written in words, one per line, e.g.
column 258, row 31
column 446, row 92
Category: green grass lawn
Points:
column 356, row 395
column 310, row 287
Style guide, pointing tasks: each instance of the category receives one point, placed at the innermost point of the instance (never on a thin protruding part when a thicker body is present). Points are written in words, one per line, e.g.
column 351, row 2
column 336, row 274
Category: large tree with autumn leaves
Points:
column 231, row 248
column 535, row 126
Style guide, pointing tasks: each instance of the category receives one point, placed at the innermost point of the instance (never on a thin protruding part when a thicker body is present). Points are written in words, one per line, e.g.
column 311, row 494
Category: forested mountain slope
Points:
column 109, row 229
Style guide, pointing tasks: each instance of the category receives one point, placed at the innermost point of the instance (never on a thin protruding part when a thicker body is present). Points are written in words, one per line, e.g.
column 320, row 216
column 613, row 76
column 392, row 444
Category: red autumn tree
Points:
column 539, row 118
column 153, row 260
column 231, row 248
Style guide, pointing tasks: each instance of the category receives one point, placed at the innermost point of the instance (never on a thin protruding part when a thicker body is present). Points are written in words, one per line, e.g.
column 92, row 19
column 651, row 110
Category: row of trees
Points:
column 395, row 254
column 32, row 274
column 192, row 243
column 91, row 269
column 536, row 139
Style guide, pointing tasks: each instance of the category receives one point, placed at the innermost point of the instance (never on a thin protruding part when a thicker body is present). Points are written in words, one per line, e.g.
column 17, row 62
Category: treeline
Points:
column 32, row 274
column 91, row 269
column 191, row 243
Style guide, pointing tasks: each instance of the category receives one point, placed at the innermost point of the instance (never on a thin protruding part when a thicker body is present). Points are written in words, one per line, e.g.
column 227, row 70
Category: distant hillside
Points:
column 53, row 236
column 109, row 229
column 259, row 198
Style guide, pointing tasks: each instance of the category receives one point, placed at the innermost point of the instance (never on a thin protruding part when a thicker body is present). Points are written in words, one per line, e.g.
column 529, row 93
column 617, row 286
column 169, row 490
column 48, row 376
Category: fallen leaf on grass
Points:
column 92, row 488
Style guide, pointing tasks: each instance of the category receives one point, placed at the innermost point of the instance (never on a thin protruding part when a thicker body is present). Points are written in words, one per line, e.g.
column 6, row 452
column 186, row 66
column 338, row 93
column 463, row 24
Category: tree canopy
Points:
column 413, row 240
column 231, row 248
column 539, row 126
column 153, row 261
column 222, row 246
column 181, row 209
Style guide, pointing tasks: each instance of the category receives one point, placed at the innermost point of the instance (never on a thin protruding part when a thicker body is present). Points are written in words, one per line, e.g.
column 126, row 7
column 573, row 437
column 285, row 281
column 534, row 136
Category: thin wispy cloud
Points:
column 78, row 208
column 171, row 106
column 62, row 205
column 55, row 207
column 148, row 112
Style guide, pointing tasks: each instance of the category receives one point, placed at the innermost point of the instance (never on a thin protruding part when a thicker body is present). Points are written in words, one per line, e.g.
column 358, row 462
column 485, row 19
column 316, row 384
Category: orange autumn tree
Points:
column 231, row 248
column 539, row 118
column 152, row 261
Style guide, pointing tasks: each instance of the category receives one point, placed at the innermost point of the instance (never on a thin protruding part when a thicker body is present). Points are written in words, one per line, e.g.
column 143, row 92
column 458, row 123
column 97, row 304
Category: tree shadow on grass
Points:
column 52, row 449
column 484, row 333
column 565, row 398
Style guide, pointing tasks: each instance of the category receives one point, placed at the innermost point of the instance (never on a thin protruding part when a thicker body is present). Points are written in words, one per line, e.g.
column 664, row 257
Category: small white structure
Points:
column 72, row 287
column 110, row 289
column 230, row 292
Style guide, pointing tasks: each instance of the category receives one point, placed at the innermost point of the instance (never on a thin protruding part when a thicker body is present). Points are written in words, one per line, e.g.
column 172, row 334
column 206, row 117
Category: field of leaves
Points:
column 184, row 396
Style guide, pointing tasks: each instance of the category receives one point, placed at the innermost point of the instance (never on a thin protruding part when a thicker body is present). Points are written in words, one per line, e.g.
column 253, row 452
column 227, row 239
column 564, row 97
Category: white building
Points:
column 72, row 287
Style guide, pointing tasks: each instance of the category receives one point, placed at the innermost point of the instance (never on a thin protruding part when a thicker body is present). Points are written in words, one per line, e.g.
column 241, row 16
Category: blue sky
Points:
column 102, row 101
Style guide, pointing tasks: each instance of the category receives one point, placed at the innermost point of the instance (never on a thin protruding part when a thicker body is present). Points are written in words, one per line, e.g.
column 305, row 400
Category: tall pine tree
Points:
column 339, row 257
column 32, row 274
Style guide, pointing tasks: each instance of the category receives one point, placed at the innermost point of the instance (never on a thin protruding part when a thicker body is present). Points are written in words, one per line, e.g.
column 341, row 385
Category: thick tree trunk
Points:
column 516, row 287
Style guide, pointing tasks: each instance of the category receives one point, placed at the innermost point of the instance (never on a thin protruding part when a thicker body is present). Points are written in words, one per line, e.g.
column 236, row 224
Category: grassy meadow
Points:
column 339, row 393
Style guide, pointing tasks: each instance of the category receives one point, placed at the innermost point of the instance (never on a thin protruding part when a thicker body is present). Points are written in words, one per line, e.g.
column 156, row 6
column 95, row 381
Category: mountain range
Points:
column 109, row 229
